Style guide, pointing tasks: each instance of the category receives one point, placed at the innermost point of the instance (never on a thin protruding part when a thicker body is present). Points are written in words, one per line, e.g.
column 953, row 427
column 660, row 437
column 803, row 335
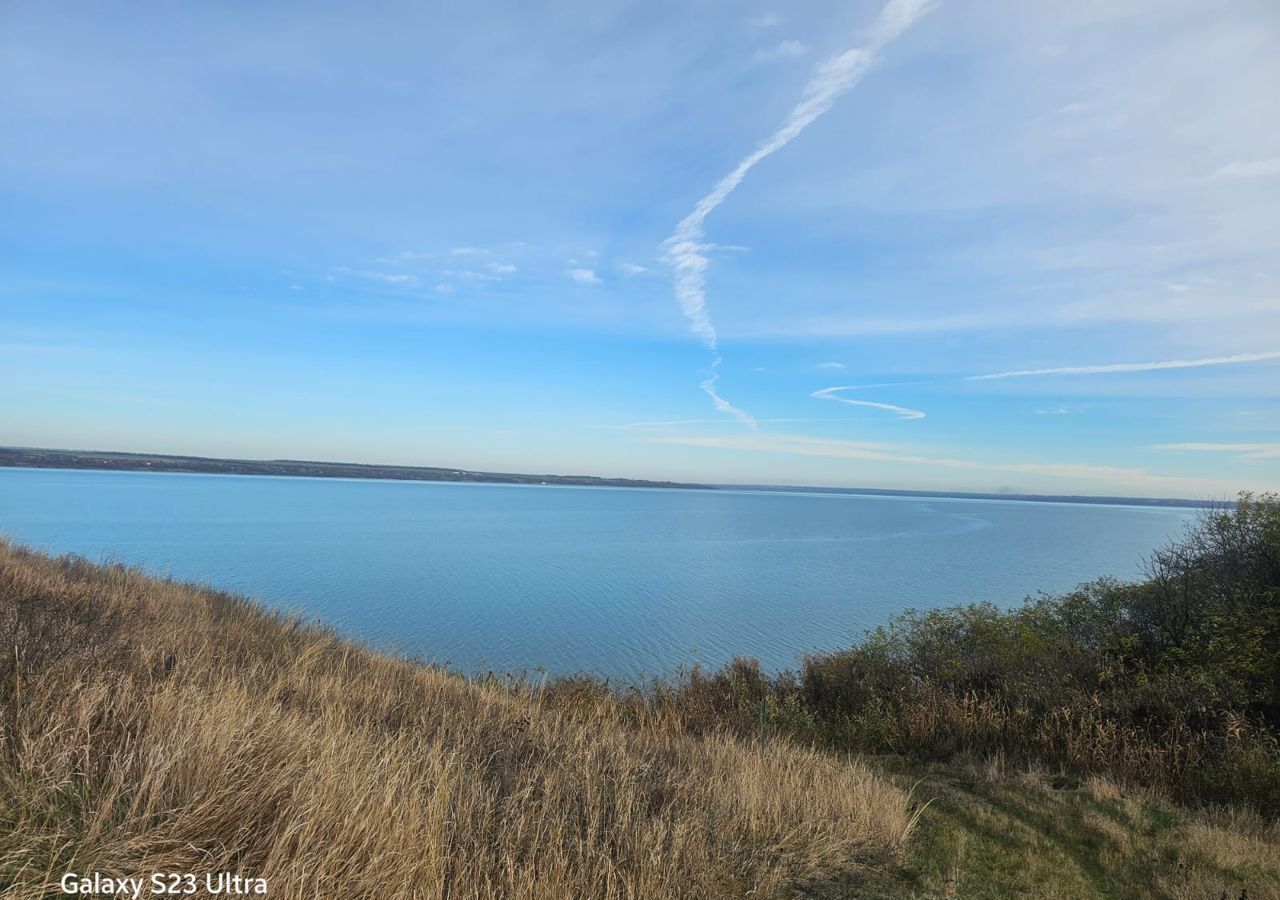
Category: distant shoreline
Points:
column 117, row 461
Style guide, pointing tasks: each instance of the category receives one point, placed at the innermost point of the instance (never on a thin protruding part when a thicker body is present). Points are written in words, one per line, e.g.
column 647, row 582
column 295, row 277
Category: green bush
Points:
column 1173, row 681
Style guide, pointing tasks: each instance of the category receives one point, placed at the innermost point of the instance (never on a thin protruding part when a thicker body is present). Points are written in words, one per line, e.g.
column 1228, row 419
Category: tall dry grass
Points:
column 147, row 725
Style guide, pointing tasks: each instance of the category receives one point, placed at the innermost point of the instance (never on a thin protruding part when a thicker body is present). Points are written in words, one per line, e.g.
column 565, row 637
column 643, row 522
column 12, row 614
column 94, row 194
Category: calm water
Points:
column 620, row 581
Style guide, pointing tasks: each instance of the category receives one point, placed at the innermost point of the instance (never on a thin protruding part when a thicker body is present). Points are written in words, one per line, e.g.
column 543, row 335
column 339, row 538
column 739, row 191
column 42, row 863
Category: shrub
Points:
column 1173, row 681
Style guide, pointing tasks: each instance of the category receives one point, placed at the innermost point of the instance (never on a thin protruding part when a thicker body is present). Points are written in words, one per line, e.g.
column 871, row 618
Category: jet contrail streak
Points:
column 833, row 393
column 1133, row 367
column 685, row 250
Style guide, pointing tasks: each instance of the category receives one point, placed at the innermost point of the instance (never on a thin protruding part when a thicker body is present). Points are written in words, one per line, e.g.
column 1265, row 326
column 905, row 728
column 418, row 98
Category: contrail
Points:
column 1133, row 367
column 685, row 250
column 708, row 385
column 832, row 393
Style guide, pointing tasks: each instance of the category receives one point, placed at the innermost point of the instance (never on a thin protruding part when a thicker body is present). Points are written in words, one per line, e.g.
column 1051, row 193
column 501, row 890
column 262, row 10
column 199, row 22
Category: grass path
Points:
column 988, row 834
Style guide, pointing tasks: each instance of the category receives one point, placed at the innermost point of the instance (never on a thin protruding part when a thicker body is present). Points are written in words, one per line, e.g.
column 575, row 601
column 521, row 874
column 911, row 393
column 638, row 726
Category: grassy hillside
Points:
column 1116, row 742
column 150, row 726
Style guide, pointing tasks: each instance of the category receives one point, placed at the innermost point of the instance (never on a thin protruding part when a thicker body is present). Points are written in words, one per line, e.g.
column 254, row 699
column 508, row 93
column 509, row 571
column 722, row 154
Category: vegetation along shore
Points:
column 115, row 461
column 1122, row 740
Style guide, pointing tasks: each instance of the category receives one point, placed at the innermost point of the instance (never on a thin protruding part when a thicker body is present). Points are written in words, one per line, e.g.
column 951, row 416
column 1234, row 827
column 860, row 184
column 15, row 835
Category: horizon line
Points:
column 565, row 480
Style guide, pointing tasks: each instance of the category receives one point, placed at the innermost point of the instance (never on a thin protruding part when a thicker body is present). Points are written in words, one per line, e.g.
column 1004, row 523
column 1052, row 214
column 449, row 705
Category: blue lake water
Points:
column 621, row 581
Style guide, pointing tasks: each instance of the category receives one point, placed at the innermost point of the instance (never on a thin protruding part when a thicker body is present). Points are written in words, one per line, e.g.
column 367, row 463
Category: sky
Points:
column 984, row 245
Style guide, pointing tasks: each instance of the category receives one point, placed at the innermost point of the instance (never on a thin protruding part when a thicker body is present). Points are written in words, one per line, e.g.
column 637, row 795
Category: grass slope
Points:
column 147, row 725
column 152, row 726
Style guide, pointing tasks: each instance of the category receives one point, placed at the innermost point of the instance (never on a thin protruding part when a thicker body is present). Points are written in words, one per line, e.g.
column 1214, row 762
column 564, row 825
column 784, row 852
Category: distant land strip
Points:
column 30, row 457
column 111, row 460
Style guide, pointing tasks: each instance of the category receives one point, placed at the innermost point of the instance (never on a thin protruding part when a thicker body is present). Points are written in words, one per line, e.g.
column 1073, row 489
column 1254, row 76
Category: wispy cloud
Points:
column 1254, row 168
column 798, row 444
column 790, row 49
column 685, row 249
column 674, row 423
column 768, row 20
column 1242, row 451
column 835, row 448
column 584, row 276
column 470, row 275
column 469, row 251
column 631, row 269
column 398, row 278
column 502, row 268
column 1110, row 368
column 833, row 393
column 832, row 365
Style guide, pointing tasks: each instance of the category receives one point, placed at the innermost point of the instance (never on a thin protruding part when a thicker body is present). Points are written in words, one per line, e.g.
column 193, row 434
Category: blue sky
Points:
column 712, row 241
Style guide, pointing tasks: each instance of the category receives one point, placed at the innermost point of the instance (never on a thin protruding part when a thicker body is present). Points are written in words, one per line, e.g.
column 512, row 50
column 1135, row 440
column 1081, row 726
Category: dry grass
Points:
column 154, row 726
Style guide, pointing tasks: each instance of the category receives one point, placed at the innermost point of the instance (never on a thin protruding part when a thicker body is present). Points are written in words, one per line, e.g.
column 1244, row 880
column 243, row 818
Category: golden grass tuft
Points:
column 147, row 725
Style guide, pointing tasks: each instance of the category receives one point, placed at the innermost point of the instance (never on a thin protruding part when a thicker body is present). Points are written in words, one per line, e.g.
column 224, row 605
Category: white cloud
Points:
column 397, row 278
column 832, row 365
column 1132, row 367
column 631, row 269
column 1256, row 168
column 443, row 288
column 768, row 20
column 790, row 49
column 833, row 393
column 1242, row 451
column 469, row 251
column 584, row 276
column 1094, row 188
column 502, row 268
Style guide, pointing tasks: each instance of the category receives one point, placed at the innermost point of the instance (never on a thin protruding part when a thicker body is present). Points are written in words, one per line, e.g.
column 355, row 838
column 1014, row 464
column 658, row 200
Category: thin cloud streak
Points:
column 1243, row 450
column 1132, row 367
column 801, row 445
column 708, row 386
column 791, row 49
column 833, row 393
column 1254, row 168
column 685, row 250
column 672, row 423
